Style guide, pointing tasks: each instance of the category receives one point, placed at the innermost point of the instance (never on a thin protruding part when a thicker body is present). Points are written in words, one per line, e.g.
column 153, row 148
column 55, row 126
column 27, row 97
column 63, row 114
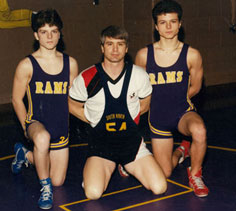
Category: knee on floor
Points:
column 56, row 181
column 160, row 187
column 167, row 172
column 93, row 193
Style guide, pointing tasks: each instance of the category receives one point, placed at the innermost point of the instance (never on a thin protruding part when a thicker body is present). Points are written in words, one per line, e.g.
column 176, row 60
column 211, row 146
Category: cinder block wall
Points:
column 204, row 23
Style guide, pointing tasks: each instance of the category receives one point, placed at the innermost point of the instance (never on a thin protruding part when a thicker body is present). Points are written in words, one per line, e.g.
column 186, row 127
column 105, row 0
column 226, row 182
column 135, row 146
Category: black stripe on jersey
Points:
column 94, row 86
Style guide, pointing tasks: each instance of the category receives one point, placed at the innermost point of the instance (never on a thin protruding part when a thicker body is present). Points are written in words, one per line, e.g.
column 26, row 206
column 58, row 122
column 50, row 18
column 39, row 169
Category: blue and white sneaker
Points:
column 46, row 198
column 20, row 158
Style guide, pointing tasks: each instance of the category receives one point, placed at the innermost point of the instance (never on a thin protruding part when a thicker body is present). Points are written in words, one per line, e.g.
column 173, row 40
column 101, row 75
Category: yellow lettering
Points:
column 39, row 87
column 111, row 116
column 58, row 87
column 120, row 116
column 152, row 78
column 48, row 89
column 179, row 76
column 123, row 126
column 161, row 79
column 65, row 87
column 110, row 125
column 170, row 77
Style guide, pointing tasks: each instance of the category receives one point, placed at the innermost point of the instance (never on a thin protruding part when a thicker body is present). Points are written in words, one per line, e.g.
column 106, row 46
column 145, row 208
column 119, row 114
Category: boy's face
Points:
column 48, row 36
column 168, row 25
column 114, row 50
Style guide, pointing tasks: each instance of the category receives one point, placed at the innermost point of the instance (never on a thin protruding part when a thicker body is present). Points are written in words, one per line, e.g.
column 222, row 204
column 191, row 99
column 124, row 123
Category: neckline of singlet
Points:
column 182, row 51
column 108, row 78
column 36, row 62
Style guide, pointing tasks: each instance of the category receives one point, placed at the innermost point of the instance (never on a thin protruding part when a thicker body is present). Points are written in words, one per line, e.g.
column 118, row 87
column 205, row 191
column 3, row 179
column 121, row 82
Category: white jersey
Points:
column 139, row 88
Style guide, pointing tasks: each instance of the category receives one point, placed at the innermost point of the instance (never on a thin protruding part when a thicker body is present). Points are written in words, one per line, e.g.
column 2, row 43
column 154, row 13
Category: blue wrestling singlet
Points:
column 48, row 102
column 169, row 97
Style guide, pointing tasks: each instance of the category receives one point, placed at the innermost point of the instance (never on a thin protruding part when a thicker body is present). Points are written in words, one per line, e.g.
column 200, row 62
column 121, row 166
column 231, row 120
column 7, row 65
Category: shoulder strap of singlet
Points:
column 184, row 50
column 150, row 56
column 128, row 69
column 151, row 59
column 66, row 67
column 183, row 54
column 66, row 61
column 150, row 50
column 33, row 61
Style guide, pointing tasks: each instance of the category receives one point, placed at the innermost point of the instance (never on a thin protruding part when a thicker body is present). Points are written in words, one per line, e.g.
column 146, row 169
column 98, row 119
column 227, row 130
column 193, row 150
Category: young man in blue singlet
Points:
column 45, row 76
column 111, row 96
column 176, row 72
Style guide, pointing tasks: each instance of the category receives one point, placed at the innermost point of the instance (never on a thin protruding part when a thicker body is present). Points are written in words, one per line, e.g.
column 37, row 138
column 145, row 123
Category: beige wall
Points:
column 206, row 28
column 204, row 24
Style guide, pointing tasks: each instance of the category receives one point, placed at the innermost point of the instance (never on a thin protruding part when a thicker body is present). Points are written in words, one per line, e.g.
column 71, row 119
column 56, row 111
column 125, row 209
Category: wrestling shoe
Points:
column 20, row 158
column 122, row 171
column 184, row 148
column 196, row 183
column 46, row 198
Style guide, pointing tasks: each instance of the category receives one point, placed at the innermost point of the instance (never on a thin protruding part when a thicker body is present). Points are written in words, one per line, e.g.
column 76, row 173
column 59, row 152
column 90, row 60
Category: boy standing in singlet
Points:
column 45, row 76
column 176, row 72
column 111, row 96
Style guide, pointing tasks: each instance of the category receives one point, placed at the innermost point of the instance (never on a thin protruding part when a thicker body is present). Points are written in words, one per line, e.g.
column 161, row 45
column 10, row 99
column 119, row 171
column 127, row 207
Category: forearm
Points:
column 193, row 90
column 79, row 113
column 77, row 110
column 20, row 111
column 191, row 93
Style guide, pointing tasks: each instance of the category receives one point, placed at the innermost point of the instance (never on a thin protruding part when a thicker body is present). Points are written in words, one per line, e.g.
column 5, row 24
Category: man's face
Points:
column 114, row 50
column 168, row 25
column 48, row 36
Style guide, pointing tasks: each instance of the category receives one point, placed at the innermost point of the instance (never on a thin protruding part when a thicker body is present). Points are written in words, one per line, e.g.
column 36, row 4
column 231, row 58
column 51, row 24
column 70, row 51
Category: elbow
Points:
column 144, row 108
column 14, row 102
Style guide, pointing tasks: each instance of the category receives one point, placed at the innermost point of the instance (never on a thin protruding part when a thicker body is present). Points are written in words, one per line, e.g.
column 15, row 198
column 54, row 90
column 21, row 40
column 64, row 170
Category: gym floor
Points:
column 21, row 192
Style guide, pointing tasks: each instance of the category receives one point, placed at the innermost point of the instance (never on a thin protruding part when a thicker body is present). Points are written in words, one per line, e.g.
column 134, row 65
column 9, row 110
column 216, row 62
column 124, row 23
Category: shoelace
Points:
column 26, row 163
column 198, row 181
column 19, row 164
column 47, row 193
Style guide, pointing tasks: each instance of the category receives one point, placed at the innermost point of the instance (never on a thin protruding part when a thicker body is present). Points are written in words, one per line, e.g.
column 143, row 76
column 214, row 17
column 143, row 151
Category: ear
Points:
column 126, row 50
column 102, row 48
column 36, row 36
column 156, row 27
column 180, row 24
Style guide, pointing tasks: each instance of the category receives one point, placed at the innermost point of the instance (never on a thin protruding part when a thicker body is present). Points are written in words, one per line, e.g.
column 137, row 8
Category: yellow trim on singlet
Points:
column 191, row 106
column 160, row 132
column 30, row 106
column 156, row 131
column 63, row 142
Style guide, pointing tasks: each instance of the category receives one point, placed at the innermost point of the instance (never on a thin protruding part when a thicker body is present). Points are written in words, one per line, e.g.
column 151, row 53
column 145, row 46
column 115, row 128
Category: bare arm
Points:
column 77, row 109
column 141, row 58
column 21, row 80
column 144, row 104
column 73, row 70
column 194, row 60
